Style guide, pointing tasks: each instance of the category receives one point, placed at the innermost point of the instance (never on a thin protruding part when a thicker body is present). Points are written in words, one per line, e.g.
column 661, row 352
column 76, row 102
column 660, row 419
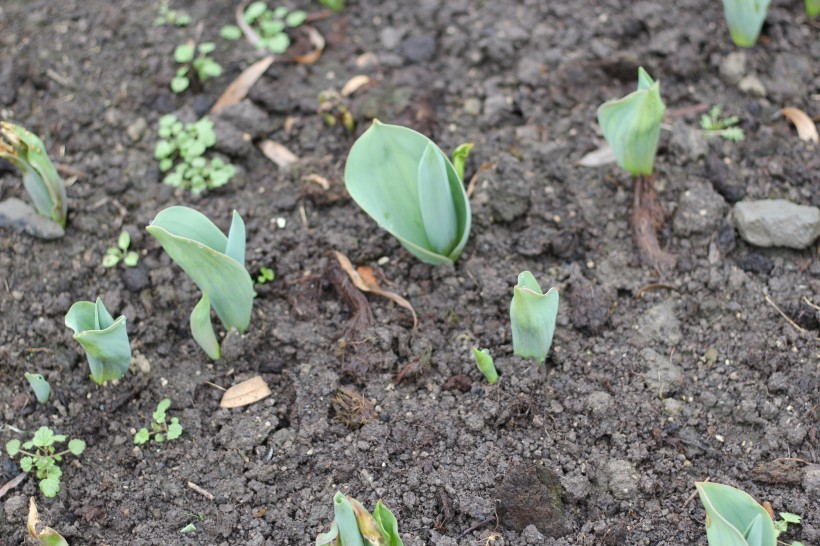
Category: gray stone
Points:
column 688, row 141
column 474, row 422
column 701, row 210
column 247, row 117
column 419, row 48
column 777, row 222
column 622, row 479
column 472, row 106
column 19, row 215
column 751, row 85
column 811, row 481
column 16, row 508
column 661, row 375
column 733, row 67
column 659, row 324
column 576, row 488
column 599, row 403
column 136, row 129
column 391, row 36
column 532, row 535
column 672, row 406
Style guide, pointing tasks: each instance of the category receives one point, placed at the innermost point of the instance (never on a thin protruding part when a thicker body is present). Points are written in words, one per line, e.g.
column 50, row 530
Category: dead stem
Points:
column 648, row 217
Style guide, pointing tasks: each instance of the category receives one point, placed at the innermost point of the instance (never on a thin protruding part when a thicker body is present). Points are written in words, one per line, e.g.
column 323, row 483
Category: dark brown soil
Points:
column 654, row 382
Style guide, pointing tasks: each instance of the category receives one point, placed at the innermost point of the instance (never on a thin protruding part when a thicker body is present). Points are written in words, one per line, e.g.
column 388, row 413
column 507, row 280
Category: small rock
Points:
column 599, row 403
column 496, row 108
column 661, row 374
column 247, row 117
column 135, row 279
column 811, row 481
column 137, row 129
column 700, row 211
column 718, row 173
column 622, row 479
column 576, row 488
column 474, row 422
column 19, row 215
column 419, row 48
column 672, row 407
column 472, row 106
column 532, row 535
column 391, row 36
column 751, row 85
column 530, row 494
column 777, row 222
column 659, row 324
column 16, row 508
column 733, row 67
column 754, row 262
column 688, row 141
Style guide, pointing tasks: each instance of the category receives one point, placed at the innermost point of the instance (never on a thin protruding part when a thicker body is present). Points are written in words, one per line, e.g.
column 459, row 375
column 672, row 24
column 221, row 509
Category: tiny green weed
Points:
column 120, row 253
column 161, row 429
column 168, row 16
column 266, row 275
column 41, row 455
column 196, row 58
column 269, row 24
column 712, row 123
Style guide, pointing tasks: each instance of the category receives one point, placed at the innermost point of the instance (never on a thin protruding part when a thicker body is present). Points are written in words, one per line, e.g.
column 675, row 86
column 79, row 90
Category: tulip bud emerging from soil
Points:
column 745, row 19
column 104, row 339
column 632, row 124
column 733, row 517
column 532, row 316
column 355, row 526
column 406, row 183
column 485, row 364
column 28, row 153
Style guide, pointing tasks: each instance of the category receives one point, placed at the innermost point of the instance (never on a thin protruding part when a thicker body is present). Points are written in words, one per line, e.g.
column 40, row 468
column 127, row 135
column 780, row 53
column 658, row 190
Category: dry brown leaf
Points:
column 277, row 153
column 602, row 156
column 316, row 179
column 247, row 392
column 806, row 129
column 354, row 84
column 249, row 33
column 318, row 42
column 239, row 88
column 47, row 535
column 474, row 179
column 364, row 279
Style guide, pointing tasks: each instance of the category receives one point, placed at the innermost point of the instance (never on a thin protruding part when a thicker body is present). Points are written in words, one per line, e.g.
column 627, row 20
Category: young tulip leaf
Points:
column 438, row 212
column 485, row 364
column 104, row 339
column 202, row 328
column 368, row 527
column 631, row 125
column 745, row 19
column 349, row 534
column 733, row 518
column 388, row 525
column 460, row 155
column 532, row 316
column 382, row 176
column 41, row 388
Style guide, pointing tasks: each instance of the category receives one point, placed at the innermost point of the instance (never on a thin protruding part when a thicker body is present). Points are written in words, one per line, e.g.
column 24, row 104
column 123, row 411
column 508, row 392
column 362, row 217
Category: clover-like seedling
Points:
column 196, row 58
column 485, row 364
column 409, row 187
column 120, row 253
column 104, row 339
column 168, row 16
column 632, row 125
column 215, row 263
column 41, row 455
column 41, row 388
column 161, row 429
column 745, row 19
column 269, row 24
column 185, row 145
column 28, row 153
column 712, row 123
column 532, row 316
column 353, row 525
column 266, row 275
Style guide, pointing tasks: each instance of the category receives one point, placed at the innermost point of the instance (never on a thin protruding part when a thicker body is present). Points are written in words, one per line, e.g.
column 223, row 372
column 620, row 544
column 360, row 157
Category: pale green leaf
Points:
column 388, row 524
column 13, row 447
column 381, row 175
column 235, row 247
column 460, row 155
column 329, row 538
column 254, row 10
column 733, row 517
column 107, row 349
column 278, row 44
column 790, row 518
column 230, row 32
column 436, row 202
column 76, row 447
column 124, row 240
column 26, row 464
column 202, row 328
column 174, row 431
column 50, row 486
column 142, row 436
column 349, row 534
column 43, row 437
column 162, row 407
column 295, row 18
column 532, row 317
column 131, row 259
column 41, row 388
column 190, row 528
column 179, row 84
column 184, row 53
column 745, row 19
column 206, row 47
column 485, row 364
column 110, row 260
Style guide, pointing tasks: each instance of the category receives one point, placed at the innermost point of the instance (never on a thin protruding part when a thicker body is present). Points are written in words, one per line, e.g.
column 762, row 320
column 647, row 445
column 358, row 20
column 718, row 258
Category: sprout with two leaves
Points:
column 745, row 19
column 28, row 153
column 355, row 526
column 412, row 190
column 532, row 316
column 215, row 263
column 104, row 339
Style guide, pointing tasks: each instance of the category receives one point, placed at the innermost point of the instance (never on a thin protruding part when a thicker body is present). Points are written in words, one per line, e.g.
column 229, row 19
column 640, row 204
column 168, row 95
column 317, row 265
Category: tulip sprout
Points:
column 355, row 526
column 104, row 339
column 215, row 263
column 412, row 190
column 485, row 364
column 41, row 388
column 28, row 153
column 745, row 19
column 532, row 315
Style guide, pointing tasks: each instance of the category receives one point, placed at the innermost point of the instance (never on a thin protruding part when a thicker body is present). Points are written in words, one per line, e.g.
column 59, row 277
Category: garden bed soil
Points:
column 655, row 380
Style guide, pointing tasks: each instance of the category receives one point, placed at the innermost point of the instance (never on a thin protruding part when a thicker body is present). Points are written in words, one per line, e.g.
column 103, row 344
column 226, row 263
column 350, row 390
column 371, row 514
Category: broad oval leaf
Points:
column 104, row 339
column 41, row 388
column 733, row 518
column 631, row 125
column 745, row 19
column 200, row 249
column 349, row 534
column 532, row 317
column 382, row 176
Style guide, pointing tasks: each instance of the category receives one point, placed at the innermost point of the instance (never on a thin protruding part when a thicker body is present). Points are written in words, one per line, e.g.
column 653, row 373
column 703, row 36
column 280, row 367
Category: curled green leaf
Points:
column 485, row 364
column 532, row 316
column 745, row 19
column 349, row 534
column 104, row 339
column 41, row 388
column 733, row 518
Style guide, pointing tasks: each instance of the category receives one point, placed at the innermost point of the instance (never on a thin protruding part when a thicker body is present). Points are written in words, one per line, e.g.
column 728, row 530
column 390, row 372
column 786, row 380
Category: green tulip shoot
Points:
column 104, row 339
column 532, row 316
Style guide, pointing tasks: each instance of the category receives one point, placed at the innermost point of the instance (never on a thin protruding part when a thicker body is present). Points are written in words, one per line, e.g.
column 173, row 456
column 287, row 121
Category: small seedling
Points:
column 42, row 456
column 185, row 145
column 168, row 16
column 712, row 123
column 41, row 388
column 485, row 364
column 269, row 24
column 196, row 58
column 104, row 339
column 745, row 19
column 733, row 517
column 532, row 316
column 28, row 153
column 161, row 430
column 266, row 275
column 355, row 526
column 460, row 155
column 120, row 253
column 333, row 5
column 409, row 187
column 215, row 263
column 190, row 528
